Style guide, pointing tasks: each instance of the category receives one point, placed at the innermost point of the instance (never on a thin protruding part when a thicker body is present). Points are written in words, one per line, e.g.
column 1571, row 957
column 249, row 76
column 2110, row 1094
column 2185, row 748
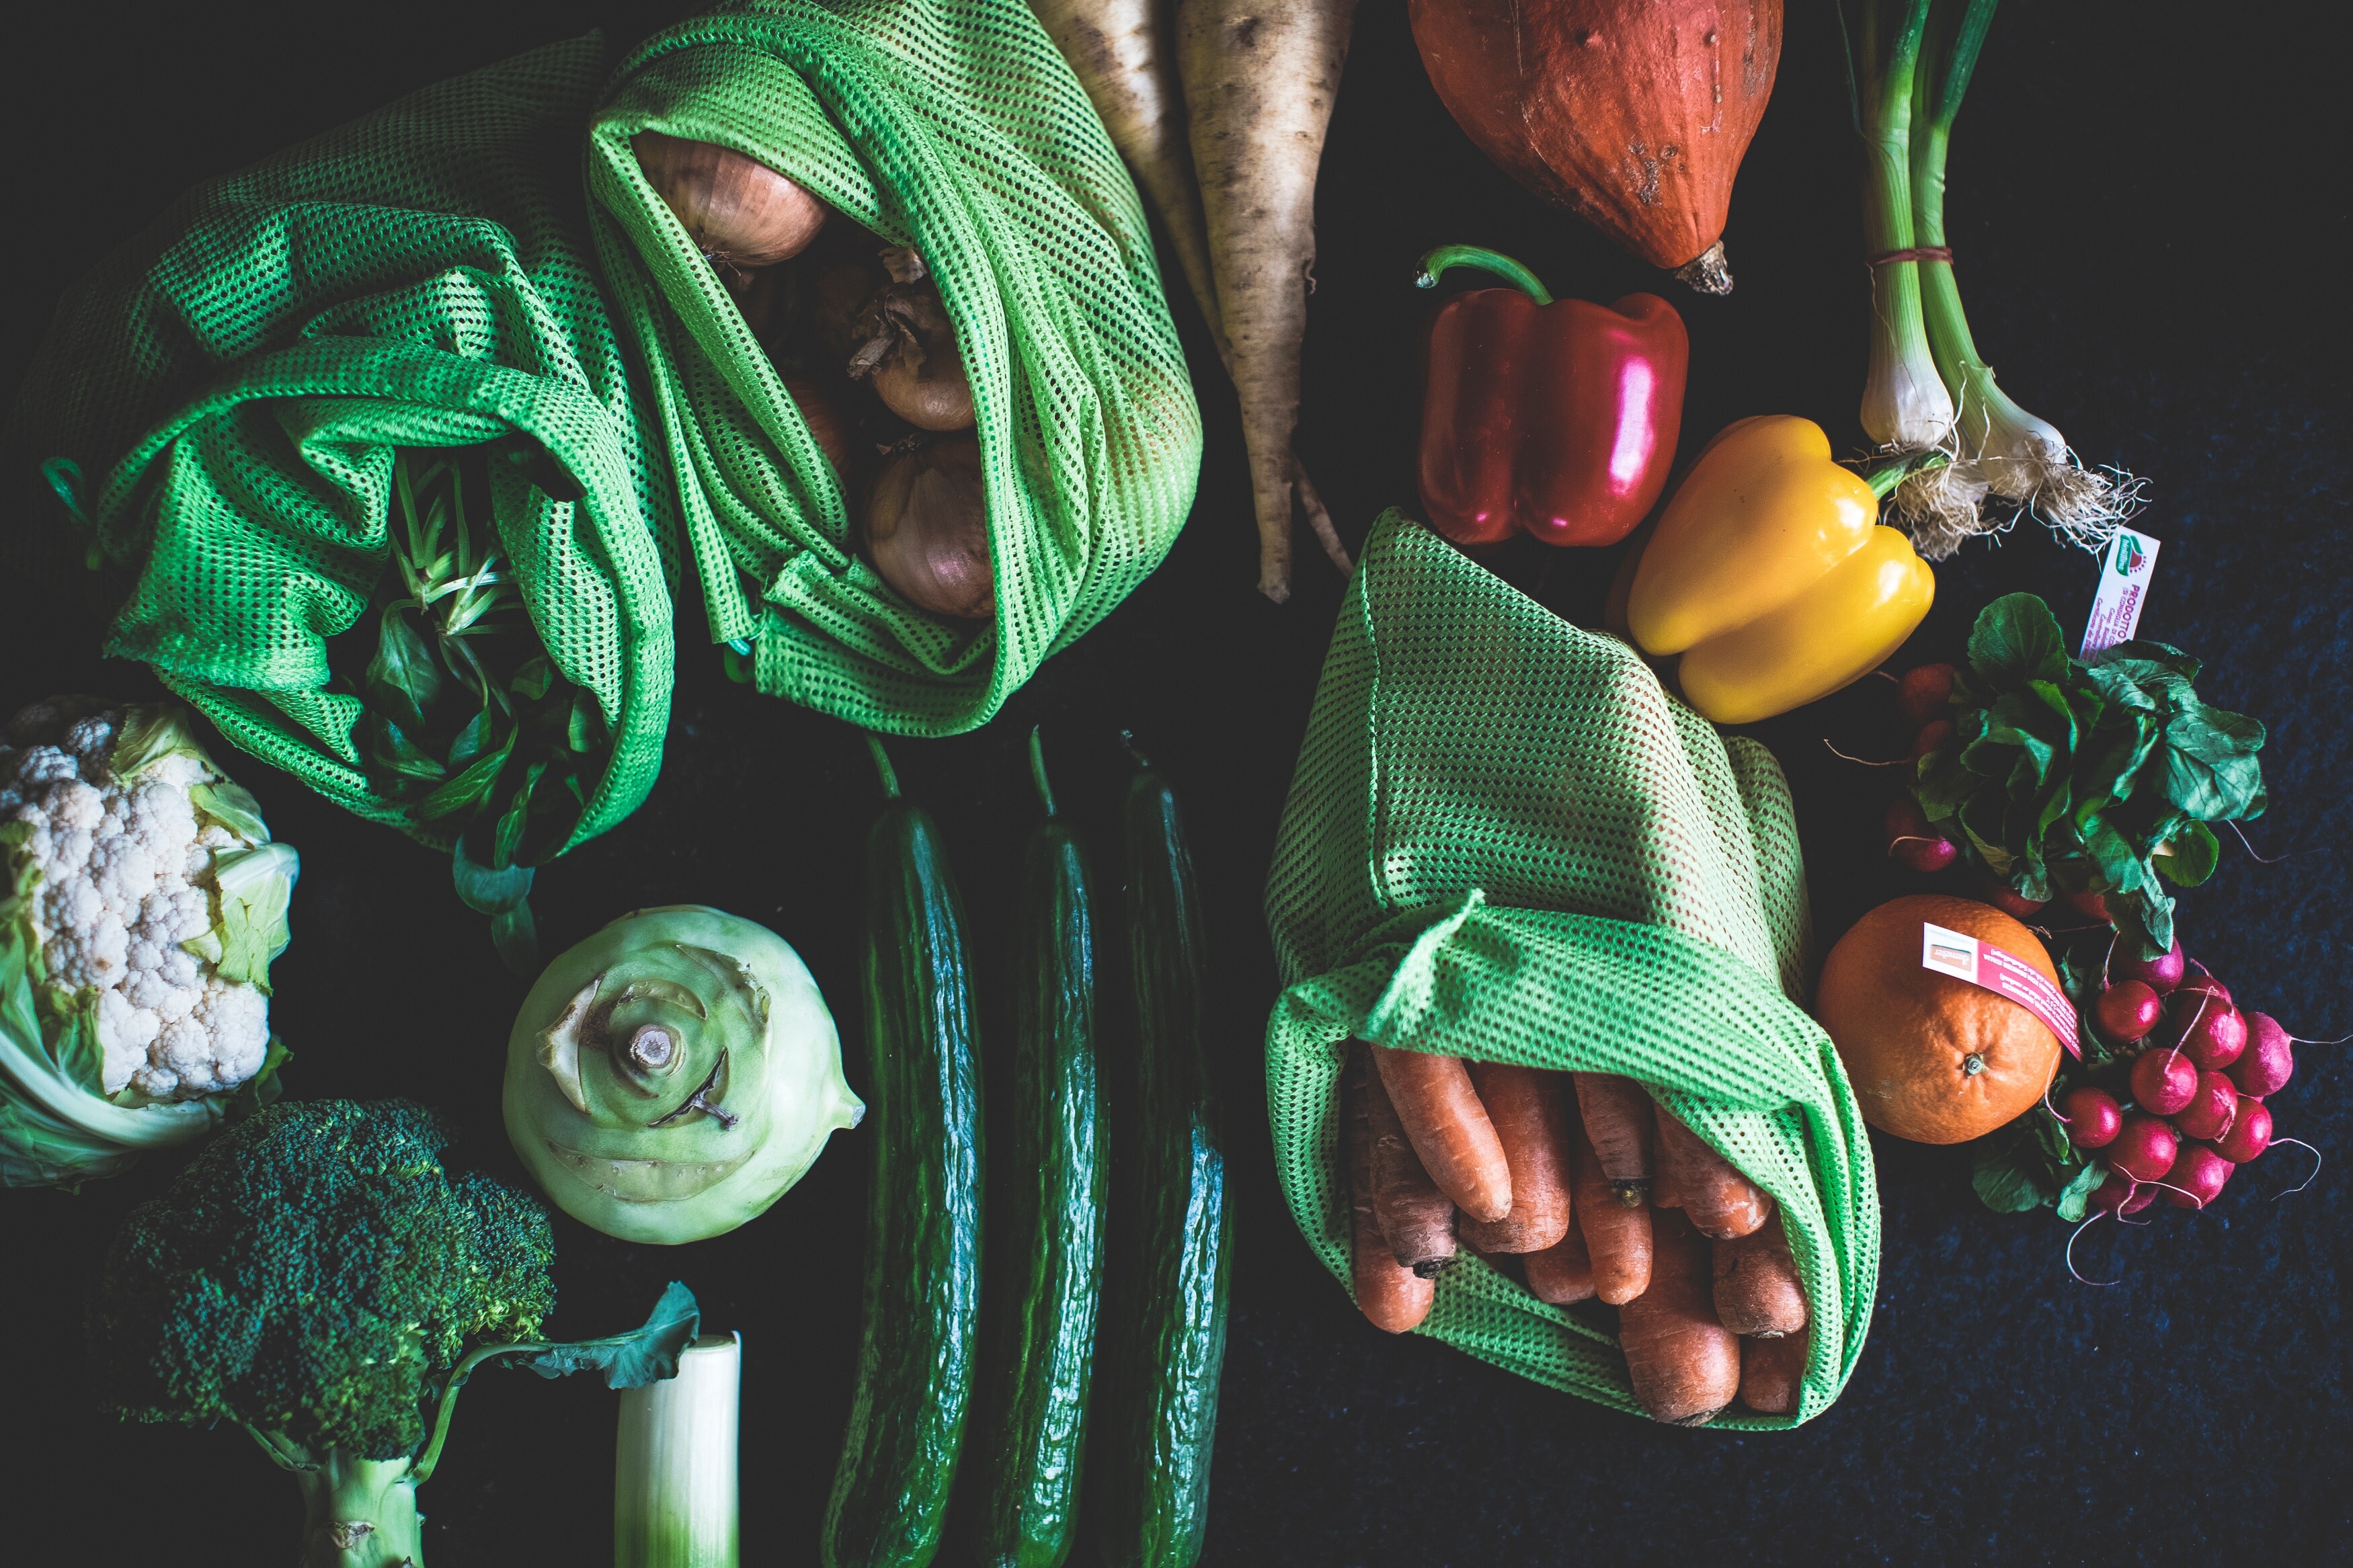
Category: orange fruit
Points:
column 1932, row 1059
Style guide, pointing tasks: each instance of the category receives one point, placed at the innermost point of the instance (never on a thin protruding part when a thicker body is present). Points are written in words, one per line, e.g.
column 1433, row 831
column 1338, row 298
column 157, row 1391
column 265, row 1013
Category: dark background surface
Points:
column 2148, row 203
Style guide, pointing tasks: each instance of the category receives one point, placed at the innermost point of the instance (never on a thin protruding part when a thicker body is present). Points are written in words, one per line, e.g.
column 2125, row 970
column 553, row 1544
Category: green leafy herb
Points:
column 2066, row 776
column 469, row 726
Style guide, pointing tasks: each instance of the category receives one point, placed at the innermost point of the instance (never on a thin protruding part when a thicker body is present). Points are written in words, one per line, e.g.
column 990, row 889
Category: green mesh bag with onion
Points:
column 352, row 457
column 953, row 127
column 1505, row 841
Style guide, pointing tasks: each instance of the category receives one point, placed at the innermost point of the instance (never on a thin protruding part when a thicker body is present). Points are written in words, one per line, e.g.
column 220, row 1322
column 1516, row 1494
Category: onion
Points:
column 927, row 528
column 825, row 422
column 739, row 211
column 908, row 346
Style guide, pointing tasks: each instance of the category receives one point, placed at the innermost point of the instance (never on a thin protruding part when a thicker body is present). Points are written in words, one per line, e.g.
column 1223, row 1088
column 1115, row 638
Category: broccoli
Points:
column 316, row 1275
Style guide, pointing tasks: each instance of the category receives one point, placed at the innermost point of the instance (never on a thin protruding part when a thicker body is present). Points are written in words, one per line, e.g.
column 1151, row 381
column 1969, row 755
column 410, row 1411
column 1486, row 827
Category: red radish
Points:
column 2159, row 975
column 2269, row 1060
column 1923, row 690
column 2250, row 1133
column 2163, row 1081
column 2199, row 982
column 2199, row 1173
column 2128, row 1011
column 1911, row 842
column 2143, row 1196
column 2216, row 1038
column 2091, row 905
column 2012, row 904
column 2144, row 1149
column 2211, row 1109
column 2092, row 1117
column 1933, row 737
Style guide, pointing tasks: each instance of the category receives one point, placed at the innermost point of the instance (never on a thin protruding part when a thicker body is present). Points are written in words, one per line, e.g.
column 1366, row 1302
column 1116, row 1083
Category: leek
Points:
column 674, row 1464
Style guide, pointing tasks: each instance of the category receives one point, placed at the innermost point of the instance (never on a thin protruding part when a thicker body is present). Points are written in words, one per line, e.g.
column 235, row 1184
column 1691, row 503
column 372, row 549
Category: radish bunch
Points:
column 2182, row 1106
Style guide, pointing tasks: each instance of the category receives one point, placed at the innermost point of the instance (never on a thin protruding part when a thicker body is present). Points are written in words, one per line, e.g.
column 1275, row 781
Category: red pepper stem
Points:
column 1437, row 262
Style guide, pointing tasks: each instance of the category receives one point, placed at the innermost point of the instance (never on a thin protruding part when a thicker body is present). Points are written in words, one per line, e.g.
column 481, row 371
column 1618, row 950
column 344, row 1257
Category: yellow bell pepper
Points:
column 1770, row 575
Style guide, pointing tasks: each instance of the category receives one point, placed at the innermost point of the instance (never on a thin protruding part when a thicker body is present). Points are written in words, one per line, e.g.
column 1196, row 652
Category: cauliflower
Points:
column 142, row 903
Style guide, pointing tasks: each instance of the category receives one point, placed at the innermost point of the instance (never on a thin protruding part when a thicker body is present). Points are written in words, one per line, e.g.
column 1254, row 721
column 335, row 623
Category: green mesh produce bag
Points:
column 219, row 401
column 955, row 127
column 1505, row 841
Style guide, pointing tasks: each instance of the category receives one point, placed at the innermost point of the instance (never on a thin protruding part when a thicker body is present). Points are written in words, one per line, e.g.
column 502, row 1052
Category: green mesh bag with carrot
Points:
column 1506, row 843
column 345, row 446
column 952, row 133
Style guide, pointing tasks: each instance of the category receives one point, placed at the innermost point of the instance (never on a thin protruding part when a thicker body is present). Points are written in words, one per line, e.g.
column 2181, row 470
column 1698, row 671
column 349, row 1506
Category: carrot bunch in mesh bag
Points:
column 1654, row 1221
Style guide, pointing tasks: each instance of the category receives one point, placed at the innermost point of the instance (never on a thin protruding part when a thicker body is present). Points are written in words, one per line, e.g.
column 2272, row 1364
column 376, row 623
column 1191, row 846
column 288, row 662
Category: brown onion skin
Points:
column 936, row 397
column 823, row 416
column 927, row 529
column 739, row 211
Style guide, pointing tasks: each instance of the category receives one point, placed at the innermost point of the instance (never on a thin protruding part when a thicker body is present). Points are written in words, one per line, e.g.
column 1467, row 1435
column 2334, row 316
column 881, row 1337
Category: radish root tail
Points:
column 2089, row 1222
column 2316, row 1164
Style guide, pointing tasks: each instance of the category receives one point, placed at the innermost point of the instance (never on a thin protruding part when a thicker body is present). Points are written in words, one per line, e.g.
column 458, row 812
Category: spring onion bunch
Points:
column 1958, row 457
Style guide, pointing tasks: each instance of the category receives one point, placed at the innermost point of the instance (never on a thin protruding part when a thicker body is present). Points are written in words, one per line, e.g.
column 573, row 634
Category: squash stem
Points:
column 882, row 767
column 1436, row 264
column 1037, row 769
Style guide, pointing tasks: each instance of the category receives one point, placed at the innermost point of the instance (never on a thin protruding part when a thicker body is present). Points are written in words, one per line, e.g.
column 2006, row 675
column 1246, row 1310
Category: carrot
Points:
column 1260, row 78
column 1684, row 1365
column 1417, row 1218
column 1561, row 1273
column 1530, row 1117
column 1770, row 1371
column 1617, row 1113
column 1393, row 1297
column 1449, row 1129
column 1721, row 1201
column 1757, row 1289
column 1616, row 1238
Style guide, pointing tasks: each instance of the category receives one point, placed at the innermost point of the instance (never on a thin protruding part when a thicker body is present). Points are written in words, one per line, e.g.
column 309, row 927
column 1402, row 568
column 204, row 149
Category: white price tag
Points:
column 2125, row 573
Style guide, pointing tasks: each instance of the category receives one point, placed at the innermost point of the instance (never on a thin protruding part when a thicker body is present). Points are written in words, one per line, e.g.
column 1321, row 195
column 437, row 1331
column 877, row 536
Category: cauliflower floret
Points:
column 125, row 1032
column 125, row 877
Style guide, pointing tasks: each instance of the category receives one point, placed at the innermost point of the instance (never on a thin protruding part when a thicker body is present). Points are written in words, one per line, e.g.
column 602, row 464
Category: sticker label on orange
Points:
column 2003, row 974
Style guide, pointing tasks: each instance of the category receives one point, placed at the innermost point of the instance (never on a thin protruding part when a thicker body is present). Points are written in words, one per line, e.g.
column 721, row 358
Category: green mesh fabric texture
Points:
column 1506, row 841
column 233, row 382
column 953, row 126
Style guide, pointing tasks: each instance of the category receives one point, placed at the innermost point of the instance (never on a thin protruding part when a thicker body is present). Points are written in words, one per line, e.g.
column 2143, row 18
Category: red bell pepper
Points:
column 1557, row 419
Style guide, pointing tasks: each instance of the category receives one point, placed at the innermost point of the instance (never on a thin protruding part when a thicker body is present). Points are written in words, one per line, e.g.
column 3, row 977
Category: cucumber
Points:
column 1045, row 1254
column 1172, row 1231
column 921, row 1307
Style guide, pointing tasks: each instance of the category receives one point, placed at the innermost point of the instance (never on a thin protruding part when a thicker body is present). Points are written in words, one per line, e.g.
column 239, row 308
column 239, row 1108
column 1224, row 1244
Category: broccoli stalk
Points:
column 318, row 1278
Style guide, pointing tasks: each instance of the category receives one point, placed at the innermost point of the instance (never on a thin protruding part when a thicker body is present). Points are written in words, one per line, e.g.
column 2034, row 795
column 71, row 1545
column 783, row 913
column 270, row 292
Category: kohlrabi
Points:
column 669, row 1077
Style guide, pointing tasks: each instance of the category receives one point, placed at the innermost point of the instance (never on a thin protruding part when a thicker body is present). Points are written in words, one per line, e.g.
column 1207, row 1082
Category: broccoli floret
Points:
column 315, row 1273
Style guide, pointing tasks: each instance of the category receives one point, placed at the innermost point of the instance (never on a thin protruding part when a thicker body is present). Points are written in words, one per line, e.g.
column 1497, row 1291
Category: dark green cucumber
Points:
column 1045, row 1257
column 1172, row 1232
column 921, row 1308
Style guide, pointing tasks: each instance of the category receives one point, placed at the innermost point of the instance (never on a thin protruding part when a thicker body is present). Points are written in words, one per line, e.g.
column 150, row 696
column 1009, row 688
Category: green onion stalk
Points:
column 2017, row 458
column 1907, row 409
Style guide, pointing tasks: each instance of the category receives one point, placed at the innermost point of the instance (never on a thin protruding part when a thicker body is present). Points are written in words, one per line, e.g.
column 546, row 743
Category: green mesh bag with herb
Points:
column 1505, row 841
column 953, row 127
column 351, row 448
